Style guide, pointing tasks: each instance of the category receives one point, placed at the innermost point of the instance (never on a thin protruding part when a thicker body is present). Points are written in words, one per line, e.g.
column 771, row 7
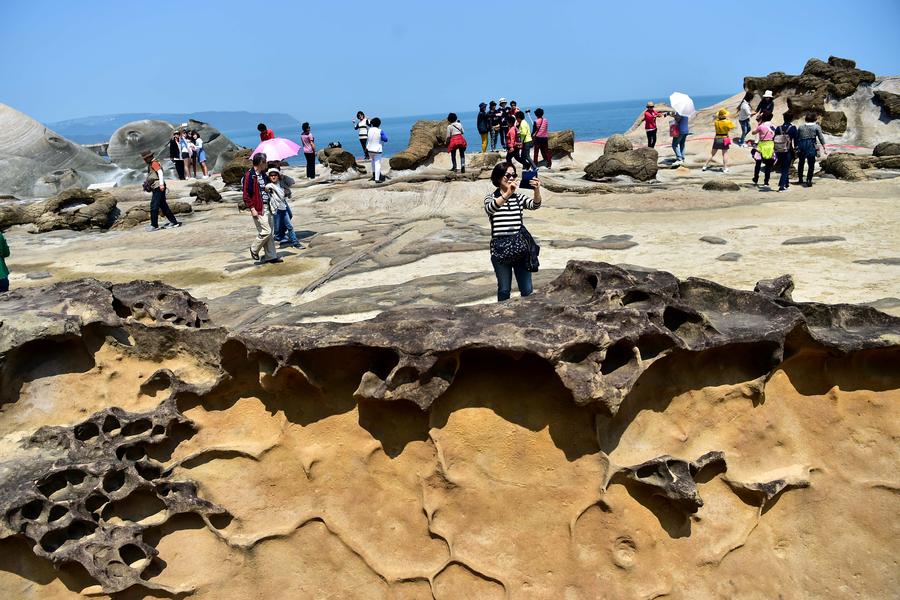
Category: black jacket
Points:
column 484, row 122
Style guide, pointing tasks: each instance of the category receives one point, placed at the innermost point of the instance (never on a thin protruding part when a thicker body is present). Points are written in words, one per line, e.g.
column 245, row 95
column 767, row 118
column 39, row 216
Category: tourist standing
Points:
column 184, row 147
column 201, row 154
column 361, row 125
column 308, row 140
column 505, row 207
column 513, row 141
column 495, row 116
column 721, row 141
column 175, row 154
column 526, row 140
column 256, row 198
column 679, row 130
column 744, row 112
column 650, row 115
column 279, row 192
column 503, row 109
column 785, row 144
column 807, row 134
column 4, row 270
column 265, row 133
column 156, row 185
column 766, row 104
column 542, row 138
column 483, row 124
column 192, row 135
column 375, row 147
column 456, row 142
column 765, row 148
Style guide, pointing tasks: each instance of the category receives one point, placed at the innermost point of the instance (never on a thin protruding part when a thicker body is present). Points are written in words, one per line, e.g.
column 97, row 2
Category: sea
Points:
column 589, row 121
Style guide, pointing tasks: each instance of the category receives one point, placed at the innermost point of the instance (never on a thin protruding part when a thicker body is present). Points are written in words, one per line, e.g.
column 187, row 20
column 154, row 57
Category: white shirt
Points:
column 373, row 144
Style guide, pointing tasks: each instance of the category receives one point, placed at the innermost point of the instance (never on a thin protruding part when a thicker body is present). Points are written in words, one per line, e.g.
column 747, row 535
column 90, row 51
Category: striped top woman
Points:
column 504, row 206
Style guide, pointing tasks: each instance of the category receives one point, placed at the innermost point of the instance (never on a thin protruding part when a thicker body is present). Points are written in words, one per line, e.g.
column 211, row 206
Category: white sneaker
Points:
column 704, row 168
column 151, row 228
column 726, row 170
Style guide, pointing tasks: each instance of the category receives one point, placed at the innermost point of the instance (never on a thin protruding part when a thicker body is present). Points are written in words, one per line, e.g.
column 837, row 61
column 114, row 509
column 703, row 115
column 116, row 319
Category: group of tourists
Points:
column 186, row 152
column 266, row 192
column 506, row 127
column 307, row 144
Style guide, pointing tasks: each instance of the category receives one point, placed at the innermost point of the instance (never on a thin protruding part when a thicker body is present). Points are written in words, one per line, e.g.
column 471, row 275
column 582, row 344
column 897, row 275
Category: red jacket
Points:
column 252, row 194
column 268, row 134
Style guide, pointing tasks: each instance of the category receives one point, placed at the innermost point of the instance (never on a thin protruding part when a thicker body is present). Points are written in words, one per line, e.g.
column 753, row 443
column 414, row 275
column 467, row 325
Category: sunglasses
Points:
column 274, row 175
column 510, row 176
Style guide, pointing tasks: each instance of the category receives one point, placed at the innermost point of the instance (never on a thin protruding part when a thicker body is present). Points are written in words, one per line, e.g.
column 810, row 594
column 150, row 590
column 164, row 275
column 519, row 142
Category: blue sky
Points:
column 321, row 61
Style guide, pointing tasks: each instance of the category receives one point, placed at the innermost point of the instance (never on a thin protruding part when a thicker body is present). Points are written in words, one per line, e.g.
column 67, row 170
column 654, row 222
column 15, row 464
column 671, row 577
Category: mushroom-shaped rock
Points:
column 640, row 164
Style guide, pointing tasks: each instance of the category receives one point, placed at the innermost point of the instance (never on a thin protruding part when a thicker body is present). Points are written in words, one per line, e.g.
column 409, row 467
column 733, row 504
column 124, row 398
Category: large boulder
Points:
column 720, row 185
column 204, row 192
column 890, row 102
column 424, row 139
column 852, row 167
column 887, row 149
column 38, row 162
column 562, row 143
column 235, row 169
column 617, row 143
column 640, row 164
column 338, row 159
column 137, row 215
column 76, row 209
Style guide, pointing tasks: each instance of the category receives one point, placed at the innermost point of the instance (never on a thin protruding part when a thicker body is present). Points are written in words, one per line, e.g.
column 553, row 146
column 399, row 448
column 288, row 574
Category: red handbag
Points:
column 673, row 130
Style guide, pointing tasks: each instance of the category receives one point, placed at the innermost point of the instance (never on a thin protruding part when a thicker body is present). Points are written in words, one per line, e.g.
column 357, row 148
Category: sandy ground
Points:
column 372, row 248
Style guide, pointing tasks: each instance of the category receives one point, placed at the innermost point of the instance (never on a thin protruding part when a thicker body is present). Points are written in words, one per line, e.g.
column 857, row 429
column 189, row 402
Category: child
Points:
column 277, row 189
column 375, row 147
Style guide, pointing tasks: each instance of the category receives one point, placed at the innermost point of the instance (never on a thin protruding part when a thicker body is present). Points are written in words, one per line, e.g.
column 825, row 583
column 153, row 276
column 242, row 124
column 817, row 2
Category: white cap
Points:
column 502, row 100
column 768, row 94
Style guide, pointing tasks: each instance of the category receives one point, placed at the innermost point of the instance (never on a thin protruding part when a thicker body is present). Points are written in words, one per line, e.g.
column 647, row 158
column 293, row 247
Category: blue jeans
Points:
column 284, row 230
column 678, row 146
column 4, row 285
column 504, row 278
column 784, row 161
column 745, row 129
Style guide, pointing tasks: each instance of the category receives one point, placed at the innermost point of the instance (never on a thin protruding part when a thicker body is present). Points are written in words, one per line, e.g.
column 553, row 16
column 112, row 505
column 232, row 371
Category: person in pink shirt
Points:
column 513, row 141
column 308, row 141
column 764, row 154
column 650, row 115
column 541, row 135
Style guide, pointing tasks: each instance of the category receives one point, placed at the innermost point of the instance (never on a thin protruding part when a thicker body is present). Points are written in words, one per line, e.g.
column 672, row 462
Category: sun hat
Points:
column 146, row 154
column 482, row 105
column 723, row 112
column 768, row 94
column 502, row 100
column 650, row 104
column 275, row 170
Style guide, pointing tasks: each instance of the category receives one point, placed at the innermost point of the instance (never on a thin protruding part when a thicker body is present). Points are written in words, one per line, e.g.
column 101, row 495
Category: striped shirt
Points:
column 507, row 219
column 362, row 128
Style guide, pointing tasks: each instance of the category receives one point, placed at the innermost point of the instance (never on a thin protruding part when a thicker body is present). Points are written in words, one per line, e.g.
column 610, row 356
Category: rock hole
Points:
column 651, row 345
column 94, row 502
column 131, row 554
column 86, row 431
column 592, row 281
column 404, row 375
column 220, row 521
column 113, row 481
column 646, row 471
column 135, row 507
column 577, row 352
column 110, row 424
column 32, row 510
column 148, row 472
column 138, row 305
column 161, row 296
column 121, row 310
column 57, row 512
column 53, row 540
column 51, row 484
column 158, row 430
column 635, row 296
column 136, row 427
column 675, row 318
column 131, row 453
column 169, row 316
column 617, row 356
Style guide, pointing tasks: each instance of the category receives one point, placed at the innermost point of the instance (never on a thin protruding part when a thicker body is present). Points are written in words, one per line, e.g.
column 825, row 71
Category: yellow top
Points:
column 723, row 126
column 525, row 131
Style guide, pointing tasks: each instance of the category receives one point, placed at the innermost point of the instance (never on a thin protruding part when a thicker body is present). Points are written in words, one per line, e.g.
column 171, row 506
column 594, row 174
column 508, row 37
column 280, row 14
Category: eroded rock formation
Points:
column 853, row 167
column 640, row 164
column 620, row 434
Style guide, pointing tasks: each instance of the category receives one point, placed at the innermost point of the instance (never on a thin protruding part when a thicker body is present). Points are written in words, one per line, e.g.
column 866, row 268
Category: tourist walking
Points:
column 785, row 144
column 503, row 109
column 265, row 133
column 766, row 104
column 256, row 198
column 650, row 116
column 201, row 154
column 765, row 148
column 456, row 142
column 513, row 141
column 279, row 189
column 175, row 154
column 679, row 130
column 375, row 147
column 361, row 125
column 721, row 141
column 4, row 270
column 504, row 207
column 156, row 185
column 308, row 141
column 483, row 123
column 495, row 116
column 807, row 134
column 744, row 112
column 525, row 139
column 542, row 138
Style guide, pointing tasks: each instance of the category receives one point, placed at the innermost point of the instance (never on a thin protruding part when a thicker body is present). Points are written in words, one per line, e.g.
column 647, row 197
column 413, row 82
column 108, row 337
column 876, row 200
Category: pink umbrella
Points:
column 277, row 149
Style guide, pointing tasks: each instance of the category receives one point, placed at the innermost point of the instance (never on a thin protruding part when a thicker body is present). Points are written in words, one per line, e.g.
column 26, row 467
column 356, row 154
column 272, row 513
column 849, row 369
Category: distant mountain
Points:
column 98, row 129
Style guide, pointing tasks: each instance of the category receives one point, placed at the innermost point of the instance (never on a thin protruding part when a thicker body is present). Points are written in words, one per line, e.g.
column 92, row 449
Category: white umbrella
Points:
column 682, row 104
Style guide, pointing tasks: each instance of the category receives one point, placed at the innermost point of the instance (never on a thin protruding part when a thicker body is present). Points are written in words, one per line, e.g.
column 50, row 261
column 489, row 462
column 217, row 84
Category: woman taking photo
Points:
column 504, row 207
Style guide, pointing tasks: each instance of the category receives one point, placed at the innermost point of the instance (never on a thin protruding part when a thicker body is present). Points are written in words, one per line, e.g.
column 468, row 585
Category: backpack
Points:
column 783, row 140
